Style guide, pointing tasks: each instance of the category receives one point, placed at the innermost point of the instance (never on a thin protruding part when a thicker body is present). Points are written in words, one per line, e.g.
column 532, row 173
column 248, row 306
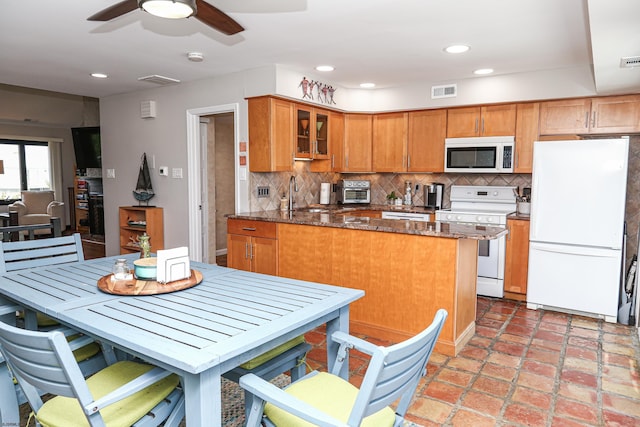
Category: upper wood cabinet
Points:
column 312, row 132
column 527, row 118
column 490, row 120
column 271, row 139
column 357, row 143
column 425, row 147
column 335, row 160
column 614, row 114
column 389, row 152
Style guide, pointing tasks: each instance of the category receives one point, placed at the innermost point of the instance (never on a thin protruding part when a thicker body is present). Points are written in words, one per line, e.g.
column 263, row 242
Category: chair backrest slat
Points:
column 38, row 253
column 41, row 360
column 394, row 371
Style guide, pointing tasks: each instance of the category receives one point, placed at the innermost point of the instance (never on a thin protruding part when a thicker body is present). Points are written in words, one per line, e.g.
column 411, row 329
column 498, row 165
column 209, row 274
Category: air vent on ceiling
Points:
column 161, row 80
column 445, row 91
column 630, row 62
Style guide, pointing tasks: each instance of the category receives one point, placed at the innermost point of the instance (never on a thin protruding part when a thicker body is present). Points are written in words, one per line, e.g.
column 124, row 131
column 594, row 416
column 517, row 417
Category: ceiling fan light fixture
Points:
column 172, row 9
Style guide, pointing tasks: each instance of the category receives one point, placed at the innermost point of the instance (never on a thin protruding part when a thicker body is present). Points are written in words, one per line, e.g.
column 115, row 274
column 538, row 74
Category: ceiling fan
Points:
column 202, row 10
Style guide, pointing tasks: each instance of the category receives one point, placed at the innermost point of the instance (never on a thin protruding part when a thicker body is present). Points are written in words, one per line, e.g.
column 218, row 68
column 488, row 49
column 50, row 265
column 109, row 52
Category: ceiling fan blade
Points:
column 216, row 18
column 114, row 11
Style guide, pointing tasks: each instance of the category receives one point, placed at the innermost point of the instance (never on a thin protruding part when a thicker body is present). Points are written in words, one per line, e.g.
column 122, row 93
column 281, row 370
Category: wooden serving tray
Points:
column 146, row 287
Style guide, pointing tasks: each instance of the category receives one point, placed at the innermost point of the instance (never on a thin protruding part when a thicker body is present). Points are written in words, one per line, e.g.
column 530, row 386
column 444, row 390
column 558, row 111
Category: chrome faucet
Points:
column 293, row 186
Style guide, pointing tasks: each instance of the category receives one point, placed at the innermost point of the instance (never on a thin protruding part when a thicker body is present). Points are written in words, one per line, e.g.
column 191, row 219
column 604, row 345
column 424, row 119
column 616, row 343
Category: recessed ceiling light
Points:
column 367, row 85
column 483, row 71
column 457, row 48
column 325, row 68
column 99, row 75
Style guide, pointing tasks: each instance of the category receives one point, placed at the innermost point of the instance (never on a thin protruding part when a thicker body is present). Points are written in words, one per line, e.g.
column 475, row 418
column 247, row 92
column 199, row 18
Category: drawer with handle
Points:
column 252, row 228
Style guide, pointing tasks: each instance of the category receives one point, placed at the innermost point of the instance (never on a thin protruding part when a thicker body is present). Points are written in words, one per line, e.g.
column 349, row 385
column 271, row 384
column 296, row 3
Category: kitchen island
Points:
column 408, row 269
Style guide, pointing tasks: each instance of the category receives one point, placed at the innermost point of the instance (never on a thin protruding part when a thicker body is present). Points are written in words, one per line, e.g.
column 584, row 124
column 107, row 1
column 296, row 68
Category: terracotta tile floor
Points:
column 525, row 368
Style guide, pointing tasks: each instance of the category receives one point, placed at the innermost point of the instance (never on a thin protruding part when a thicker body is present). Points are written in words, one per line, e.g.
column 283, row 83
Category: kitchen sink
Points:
column 313, row 210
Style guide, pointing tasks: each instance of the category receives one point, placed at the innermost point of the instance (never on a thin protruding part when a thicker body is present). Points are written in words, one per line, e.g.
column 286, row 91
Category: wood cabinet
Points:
column 527, row 119
column 271, row 138
column 81, row 205
column 352, row 258
column 425, row 144
column 252, row 246
column 606, row 115
column 137, row 220
column 358, row 134
column 312, row 132
column 335, row 160
column 489, row 120
column 389, row 148
column 517, row 259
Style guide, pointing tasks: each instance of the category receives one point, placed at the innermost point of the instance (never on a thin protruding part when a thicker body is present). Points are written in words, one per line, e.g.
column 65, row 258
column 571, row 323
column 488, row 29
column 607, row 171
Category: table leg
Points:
column 341, row 323
column 203, row 398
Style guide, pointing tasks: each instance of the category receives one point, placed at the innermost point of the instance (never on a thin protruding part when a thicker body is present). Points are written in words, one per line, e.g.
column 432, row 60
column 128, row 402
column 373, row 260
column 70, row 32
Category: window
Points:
column 26, row 167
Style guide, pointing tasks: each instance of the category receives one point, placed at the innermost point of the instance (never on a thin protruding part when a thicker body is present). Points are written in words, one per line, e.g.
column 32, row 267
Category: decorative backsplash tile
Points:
column 381, row 185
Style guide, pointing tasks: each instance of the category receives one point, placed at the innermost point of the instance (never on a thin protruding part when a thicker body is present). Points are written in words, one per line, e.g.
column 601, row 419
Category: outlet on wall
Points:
column 163, row 170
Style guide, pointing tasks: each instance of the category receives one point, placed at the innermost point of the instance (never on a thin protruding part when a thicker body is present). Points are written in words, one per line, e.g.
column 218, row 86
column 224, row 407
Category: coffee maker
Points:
column 433, row 194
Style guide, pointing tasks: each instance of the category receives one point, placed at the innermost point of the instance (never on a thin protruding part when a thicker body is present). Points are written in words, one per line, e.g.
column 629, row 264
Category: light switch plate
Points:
column 163, row 170
column 176, row 173
column 111, row 173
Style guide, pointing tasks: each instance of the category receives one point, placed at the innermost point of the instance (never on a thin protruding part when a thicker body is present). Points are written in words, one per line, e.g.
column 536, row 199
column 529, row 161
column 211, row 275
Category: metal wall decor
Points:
column 323, row 92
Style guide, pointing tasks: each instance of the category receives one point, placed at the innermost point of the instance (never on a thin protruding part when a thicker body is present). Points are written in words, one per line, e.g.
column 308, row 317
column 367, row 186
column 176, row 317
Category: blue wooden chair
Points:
column 25, row 254
column 288, row 357
column 325, row 399
column 126, row 393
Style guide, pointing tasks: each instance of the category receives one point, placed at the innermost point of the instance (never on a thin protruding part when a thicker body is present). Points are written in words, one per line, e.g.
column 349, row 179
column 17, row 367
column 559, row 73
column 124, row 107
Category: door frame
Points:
column 194, row 166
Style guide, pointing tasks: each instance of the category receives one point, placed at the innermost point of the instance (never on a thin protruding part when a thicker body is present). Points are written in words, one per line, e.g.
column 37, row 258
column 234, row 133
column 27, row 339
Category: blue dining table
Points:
column 200, row 332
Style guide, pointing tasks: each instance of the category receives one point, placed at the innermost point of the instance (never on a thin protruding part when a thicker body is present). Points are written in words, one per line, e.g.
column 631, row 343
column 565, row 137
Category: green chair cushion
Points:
column 66, row 412
column 83, row 353
column 44, row 321
column 330, row 394
column 265, row 357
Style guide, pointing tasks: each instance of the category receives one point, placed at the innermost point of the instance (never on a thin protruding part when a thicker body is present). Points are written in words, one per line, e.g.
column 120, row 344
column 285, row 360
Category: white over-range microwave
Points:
column 489, row 154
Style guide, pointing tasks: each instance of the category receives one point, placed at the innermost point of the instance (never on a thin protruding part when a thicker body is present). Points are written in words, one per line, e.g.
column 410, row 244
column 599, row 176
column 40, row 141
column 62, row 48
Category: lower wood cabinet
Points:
column 517, row 259
column 252, row 246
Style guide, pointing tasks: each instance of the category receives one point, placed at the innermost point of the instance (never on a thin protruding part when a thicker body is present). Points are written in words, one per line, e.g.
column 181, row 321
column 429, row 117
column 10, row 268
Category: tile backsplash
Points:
column 381, row 185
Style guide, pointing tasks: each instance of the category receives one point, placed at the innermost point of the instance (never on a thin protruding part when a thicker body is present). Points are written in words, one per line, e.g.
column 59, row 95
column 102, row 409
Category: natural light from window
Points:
column 26, row 167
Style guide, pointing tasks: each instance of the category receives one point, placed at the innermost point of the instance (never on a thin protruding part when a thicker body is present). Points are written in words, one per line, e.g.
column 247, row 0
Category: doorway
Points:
column 218, row 189
column 212, row 135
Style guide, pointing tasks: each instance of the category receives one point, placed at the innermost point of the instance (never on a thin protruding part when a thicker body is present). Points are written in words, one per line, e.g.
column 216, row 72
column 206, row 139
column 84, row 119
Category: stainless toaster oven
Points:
column 353, row 191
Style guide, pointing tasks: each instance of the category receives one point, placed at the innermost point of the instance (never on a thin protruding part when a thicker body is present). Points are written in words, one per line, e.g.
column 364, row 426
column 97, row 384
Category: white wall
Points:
column 125, row 136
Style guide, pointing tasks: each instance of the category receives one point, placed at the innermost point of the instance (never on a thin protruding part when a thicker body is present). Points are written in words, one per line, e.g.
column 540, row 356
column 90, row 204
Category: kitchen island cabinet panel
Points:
column 402, row 293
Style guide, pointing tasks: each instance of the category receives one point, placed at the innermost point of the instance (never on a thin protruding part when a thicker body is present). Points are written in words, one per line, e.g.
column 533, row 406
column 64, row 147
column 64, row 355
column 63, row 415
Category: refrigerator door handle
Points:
column 575, row 250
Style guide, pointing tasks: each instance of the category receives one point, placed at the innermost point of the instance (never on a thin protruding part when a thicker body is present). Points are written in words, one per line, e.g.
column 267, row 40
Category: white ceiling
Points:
column 49, row 44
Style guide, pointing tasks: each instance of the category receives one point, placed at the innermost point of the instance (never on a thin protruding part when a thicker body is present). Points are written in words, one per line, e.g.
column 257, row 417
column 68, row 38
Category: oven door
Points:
column 491, row 254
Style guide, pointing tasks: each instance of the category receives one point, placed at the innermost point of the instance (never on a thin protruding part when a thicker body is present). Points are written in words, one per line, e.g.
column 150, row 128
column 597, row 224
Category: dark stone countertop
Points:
column 516, row 215
column 338, row 216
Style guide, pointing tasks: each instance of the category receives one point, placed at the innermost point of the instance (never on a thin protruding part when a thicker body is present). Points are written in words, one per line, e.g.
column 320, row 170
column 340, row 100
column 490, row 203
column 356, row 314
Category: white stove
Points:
column 484, row 205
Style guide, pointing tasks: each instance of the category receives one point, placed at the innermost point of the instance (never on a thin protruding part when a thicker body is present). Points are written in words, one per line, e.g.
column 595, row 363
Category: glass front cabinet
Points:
column 312, row 130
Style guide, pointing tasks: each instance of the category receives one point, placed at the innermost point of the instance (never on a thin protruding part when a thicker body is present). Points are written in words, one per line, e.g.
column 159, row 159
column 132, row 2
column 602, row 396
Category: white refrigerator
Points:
column 577, row 224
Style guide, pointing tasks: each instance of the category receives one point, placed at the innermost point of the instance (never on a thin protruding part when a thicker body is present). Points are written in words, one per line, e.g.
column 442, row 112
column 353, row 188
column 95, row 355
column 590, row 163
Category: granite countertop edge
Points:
column 338, row 217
